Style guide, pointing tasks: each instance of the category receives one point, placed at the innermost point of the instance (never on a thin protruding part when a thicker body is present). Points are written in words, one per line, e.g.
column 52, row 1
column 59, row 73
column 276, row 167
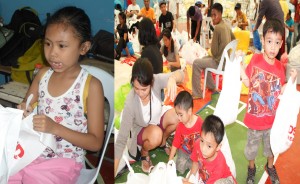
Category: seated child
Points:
column 209, row 164
column 187, row 132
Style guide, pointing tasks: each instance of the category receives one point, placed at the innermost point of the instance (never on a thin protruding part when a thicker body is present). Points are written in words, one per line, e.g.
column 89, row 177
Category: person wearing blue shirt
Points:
column 289, row 24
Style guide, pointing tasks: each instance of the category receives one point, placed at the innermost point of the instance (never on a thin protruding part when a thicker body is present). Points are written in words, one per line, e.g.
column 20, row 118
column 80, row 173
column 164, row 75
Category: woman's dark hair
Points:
column 147, row 33
column 167, row 33
column 218, row 7
column 184, row 100
column 273, row 25
column 213, row 124
column 142, row 71
column 123, row 16
column 75, row 17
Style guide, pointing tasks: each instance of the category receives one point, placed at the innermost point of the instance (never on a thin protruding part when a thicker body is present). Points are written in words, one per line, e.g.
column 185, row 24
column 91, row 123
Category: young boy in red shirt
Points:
column 209, row 164
column 187, row 132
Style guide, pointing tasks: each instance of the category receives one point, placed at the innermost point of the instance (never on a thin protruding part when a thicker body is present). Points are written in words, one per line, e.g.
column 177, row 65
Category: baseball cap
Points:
column 237, row 6
column 198, row 2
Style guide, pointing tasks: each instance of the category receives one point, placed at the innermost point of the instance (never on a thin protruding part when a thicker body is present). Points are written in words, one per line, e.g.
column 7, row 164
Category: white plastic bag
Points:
column 10, row 122
column 294, row 56
column 191, row 51
column 171, row 175
column 284, row 126
column 158, row 174
column 228, row 102
column 135, row 178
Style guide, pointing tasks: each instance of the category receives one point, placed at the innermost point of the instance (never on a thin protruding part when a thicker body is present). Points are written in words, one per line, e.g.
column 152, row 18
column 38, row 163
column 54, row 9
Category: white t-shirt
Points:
column 156, row 110
column 132, row 7
column 173, row 6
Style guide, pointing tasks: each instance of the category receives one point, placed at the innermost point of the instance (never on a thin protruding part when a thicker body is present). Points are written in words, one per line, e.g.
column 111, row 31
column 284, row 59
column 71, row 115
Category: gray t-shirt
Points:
column 171, row 57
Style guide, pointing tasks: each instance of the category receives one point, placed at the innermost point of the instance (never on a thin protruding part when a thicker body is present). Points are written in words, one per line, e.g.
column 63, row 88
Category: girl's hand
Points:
column 43, row 123
column 172, row 88
column 185, row 181
column 22, row 106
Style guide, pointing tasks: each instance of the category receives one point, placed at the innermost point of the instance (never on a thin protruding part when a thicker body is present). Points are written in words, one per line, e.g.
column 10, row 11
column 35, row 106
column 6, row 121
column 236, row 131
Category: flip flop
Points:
column 147, row 160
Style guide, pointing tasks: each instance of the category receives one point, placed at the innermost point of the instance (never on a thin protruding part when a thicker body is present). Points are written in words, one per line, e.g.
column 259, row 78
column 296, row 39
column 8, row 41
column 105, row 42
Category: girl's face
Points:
column 167, row 41
column 62, row 47
column 208, row 145
column 142, row 91
column 121, row 20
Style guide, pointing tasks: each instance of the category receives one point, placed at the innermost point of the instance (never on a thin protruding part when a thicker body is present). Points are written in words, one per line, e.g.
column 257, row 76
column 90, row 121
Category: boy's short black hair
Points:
column 162, row 2
column 238, row 6
column 184, row 100
column 214, row 125
column 273, row 25
column 191, row 11
column 218, row 7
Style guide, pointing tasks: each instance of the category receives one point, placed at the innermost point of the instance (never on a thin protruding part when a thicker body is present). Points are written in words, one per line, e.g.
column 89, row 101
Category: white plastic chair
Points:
column 205, row 31
column 219, row 71
column 89, row 176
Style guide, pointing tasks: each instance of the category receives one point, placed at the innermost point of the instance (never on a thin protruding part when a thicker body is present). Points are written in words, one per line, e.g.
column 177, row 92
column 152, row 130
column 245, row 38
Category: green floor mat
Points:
column 237, row 137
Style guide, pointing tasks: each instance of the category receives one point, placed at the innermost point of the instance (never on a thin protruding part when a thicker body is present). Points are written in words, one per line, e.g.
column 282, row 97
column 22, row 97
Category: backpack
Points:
column 26, row 63
column 27, row 29
column 103, row 46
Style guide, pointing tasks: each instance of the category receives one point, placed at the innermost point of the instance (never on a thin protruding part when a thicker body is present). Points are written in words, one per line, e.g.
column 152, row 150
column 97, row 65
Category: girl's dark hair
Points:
column 167, row 33
column 123, row 16
column 147, row 33
column 75, row 17
column 142, row 71
column 218, row 7
column 213, row 124
column 184, row 100
column 273, row 25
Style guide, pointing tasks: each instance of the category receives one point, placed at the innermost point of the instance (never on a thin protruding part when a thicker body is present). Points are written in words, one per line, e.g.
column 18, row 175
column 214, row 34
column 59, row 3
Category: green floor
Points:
column 237, row 137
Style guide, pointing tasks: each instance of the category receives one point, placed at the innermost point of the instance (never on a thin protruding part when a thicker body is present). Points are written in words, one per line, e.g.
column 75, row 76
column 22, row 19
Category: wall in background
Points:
column 99, row 11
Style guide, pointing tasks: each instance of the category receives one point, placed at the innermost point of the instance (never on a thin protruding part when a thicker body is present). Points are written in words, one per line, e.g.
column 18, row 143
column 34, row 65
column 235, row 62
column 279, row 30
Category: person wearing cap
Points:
column 166, row 20
column 240, row 18
column 147, row 11
column 194, row 13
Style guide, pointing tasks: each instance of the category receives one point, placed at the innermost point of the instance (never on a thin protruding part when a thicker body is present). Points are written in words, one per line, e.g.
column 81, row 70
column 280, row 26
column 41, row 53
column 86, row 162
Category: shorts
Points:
column 183, row 161
column 253, row 141
column 50, row 171
column 140, row 135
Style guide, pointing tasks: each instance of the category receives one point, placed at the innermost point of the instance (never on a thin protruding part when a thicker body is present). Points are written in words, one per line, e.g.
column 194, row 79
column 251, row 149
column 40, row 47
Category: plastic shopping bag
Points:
column 191, row 51
column 135, row 178
column 256, row 40
column 10, row 122
column 228, row 102
column 171, row 175
column 284, row 126
column 158, row 174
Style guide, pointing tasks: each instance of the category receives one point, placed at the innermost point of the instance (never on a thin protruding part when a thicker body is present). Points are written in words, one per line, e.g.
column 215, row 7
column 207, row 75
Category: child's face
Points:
column 208, row 145
column 142, row 91
column 62, row 47
column 184, row 116
column 272, row 43
column 216, row 16
column 163, row 8
column 121, row 20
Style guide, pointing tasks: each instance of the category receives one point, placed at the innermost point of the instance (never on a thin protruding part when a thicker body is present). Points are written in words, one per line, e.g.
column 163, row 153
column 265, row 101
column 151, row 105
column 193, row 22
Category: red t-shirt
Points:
column 265, row 85
column 185, row 137
column 211, row 171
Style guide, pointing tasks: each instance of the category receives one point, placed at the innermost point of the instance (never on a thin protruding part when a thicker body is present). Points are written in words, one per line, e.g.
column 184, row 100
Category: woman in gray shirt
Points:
column 170, row 51
column 144, row 122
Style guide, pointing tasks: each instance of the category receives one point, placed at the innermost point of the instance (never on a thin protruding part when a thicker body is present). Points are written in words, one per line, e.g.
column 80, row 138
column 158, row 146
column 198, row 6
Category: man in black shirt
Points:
column 166, row 19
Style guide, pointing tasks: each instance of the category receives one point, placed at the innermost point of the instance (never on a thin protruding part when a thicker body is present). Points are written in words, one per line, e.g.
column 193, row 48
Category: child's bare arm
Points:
column 173, row 152
column 193, row 171
column 33, row 89
column 244, row 77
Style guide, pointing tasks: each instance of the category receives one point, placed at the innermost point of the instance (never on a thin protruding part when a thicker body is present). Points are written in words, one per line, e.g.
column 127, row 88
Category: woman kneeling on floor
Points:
column 144, row 121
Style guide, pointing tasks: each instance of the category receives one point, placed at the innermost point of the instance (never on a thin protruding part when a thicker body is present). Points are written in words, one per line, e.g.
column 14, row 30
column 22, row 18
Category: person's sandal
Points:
column 166, row 148
column 146, row 160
